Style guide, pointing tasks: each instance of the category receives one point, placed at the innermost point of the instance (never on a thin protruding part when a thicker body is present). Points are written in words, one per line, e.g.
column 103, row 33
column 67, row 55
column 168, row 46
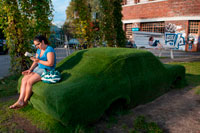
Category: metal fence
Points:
column 61, row 53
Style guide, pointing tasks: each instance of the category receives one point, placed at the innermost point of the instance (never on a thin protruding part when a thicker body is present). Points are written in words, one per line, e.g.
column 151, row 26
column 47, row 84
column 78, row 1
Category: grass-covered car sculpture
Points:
column 93, row 79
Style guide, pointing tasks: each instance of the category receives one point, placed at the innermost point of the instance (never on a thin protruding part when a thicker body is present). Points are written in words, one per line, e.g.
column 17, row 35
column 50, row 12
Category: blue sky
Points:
column 59, row 11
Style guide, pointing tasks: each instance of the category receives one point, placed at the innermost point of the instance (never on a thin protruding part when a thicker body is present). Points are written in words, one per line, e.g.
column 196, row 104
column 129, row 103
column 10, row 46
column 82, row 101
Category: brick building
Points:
column 161, row 16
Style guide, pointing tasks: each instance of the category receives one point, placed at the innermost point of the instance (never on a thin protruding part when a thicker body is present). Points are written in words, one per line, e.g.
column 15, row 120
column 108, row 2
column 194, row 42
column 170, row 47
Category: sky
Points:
column 59, row 11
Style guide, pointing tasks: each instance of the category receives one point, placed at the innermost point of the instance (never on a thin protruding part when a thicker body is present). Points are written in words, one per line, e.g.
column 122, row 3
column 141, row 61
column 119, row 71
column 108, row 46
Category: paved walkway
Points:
column 179, row 56
column 4, row 65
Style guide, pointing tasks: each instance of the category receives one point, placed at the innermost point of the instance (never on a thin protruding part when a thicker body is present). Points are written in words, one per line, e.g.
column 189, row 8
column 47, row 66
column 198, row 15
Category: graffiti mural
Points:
column 194, row 37
column 174, row 40
column 170, row 27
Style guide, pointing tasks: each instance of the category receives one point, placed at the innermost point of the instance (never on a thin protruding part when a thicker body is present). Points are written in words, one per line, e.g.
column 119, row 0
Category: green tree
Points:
column 21, row 20
column 1, row 34
column 106, row 22
column 117, row 20
column 106, row 27
column 110, row 22
column 79, row 21
column 83, row 23
column 69, row 25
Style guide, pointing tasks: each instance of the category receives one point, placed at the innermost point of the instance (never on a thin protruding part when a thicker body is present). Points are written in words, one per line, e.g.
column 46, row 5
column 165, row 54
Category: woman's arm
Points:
column 50, row 59
column 34, row 64
column 49, row 62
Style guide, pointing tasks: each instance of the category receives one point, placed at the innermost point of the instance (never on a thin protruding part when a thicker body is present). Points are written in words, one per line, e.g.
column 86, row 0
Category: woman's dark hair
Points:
column 151, row 38
column 41, row 38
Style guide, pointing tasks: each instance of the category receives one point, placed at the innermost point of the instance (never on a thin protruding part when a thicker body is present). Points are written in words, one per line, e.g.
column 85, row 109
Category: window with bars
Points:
column 128, row 30
column 194, row 27
column 158, row 27
column 137, row 1
column 129, row 2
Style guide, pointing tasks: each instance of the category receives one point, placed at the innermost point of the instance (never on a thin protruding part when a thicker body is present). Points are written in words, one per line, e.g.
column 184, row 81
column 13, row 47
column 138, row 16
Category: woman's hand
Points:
column 26, row 72
column 36, row 60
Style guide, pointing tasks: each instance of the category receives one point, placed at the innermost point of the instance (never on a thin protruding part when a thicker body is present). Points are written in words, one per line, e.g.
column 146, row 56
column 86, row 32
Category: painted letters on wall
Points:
column 174, row 40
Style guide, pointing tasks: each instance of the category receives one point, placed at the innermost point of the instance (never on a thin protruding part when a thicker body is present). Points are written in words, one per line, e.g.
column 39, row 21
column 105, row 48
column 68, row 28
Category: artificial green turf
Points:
column 93, row 79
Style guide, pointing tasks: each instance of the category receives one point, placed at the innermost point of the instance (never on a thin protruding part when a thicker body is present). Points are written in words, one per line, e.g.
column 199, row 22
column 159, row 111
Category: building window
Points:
column 129, row 2
column 194, row 27
column 132, row 2
column 143, row 1
column 158, row 27
column 137, row 1
column 128, row 30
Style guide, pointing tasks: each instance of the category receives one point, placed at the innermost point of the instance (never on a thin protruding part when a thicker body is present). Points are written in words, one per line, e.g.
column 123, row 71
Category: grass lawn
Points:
column 45, row 123
column 8, row 86
column 192, row 73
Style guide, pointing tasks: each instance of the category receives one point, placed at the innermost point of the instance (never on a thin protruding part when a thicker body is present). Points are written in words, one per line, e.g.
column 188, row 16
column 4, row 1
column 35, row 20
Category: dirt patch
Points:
column 13, row 122
column 176, row 112
column 25, row 125
column 8, row 98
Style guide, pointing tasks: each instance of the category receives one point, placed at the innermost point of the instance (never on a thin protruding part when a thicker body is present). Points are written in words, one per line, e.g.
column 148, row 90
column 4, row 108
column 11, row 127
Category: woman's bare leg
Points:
column 23, row 90
column 20, row 100
column 23, row 87
column 33, row 79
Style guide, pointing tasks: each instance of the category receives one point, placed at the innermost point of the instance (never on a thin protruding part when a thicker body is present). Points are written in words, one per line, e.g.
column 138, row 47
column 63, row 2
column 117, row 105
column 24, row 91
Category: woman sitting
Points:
column 154, row 43
column 45, row 59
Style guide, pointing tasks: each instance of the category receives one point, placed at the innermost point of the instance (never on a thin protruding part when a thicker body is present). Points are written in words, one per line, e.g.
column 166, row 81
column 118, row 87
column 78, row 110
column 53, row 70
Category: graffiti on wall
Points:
column 173, row 28
column 174, row 40
column 170, row 27
column 194, row 37
column 193, row 40
column 175, row 36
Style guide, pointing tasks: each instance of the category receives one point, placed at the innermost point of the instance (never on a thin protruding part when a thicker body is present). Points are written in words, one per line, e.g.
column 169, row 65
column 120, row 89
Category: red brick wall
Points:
column 170, row 8
column 182, row 26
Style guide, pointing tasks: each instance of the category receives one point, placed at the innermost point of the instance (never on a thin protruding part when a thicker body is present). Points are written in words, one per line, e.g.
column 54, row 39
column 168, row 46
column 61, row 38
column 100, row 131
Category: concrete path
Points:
column 4, row 65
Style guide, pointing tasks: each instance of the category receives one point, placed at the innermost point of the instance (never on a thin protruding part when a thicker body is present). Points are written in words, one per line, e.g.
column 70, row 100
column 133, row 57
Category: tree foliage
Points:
column 82, row 21
column 69, row 25
column 21, row 20
column 110, row 23
column 117, row 13
column 107, row 27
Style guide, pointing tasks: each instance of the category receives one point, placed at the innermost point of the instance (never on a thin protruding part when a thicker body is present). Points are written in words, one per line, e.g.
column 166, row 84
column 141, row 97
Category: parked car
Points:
column 130, row 44
column 3, row 47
